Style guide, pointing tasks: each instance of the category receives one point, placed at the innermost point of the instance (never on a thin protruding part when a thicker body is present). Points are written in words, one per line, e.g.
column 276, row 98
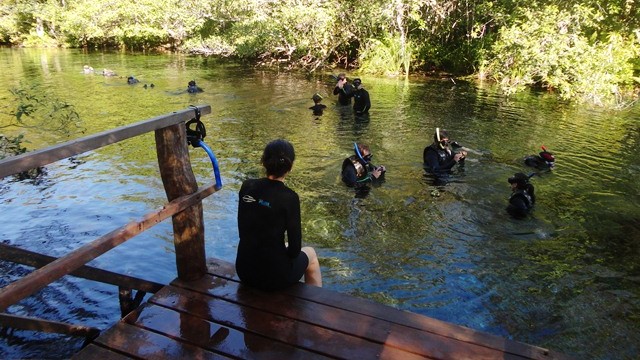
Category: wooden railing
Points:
column 185, row 206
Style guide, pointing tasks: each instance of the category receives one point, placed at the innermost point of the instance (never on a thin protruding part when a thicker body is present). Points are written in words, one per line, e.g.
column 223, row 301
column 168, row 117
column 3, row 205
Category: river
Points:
column 567, row 277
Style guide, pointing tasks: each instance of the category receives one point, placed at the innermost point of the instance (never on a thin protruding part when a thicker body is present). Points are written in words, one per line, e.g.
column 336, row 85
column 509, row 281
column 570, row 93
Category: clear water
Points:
column 566, row 278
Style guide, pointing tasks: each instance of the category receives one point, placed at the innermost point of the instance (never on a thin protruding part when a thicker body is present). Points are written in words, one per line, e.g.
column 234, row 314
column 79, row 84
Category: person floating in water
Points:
column 438, row 157
column 545, row 160
column 87, row 69
column 317, row 107
column 343, row 89
column 108, row 73
column 192, row 88
column 357, row 170
column 361, row 101
column 522, row 196
column 267, row 211
column 131, row 80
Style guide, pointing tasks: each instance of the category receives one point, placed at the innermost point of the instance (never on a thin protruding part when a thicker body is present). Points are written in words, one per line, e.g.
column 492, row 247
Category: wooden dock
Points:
column 217, row 317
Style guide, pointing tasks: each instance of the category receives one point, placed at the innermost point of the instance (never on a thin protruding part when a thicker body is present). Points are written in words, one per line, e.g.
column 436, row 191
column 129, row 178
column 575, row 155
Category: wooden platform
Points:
column 216, row 317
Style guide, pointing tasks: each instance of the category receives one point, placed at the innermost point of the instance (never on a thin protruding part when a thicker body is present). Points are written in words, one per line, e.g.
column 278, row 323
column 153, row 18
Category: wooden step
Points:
column 218, row 317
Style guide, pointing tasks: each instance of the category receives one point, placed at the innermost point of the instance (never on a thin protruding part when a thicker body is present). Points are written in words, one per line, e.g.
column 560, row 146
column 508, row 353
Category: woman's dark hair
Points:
column 278, row 157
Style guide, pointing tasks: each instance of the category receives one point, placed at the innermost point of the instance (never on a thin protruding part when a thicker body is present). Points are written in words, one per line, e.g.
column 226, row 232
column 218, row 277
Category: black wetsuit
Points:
column 192, row 89
column 344, row 94
column 538, row 162
column 266, row 210
column 361, row 101
column 318, row 109
column 521, row 202
column 438, row 159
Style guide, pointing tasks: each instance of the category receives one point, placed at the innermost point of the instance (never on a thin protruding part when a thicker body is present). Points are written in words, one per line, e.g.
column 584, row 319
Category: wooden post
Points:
column 179, row 180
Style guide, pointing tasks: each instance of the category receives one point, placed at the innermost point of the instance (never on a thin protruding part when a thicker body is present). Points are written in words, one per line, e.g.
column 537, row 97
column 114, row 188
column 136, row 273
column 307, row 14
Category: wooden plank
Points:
column 179, row 180
column 37, row 158
column 331, row 298
column 95, row 352
column 28, row 323
column 140, row 343
column 212, row 336
column 37, row 260
column 357, row 324
column 40, row 278
column 294, row 331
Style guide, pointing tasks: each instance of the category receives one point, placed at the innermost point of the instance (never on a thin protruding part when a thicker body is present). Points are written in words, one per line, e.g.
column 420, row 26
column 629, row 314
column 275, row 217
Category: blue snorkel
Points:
column 355, row 146
column 195, row 137
column 214, row 162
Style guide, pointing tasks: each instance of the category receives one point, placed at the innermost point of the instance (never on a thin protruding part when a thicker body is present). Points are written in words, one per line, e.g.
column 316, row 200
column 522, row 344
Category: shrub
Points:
column 551, row 49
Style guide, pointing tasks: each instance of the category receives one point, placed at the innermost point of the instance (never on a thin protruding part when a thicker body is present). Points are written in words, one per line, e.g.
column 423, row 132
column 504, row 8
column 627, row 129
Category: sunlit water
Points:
column 566, row 277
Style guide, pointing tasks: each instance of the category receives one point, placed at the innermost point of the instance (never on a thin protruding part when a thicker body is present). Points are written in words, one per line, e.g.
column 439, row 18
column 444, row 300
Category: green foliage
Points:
column 299, row 32
column 549, row 48
column 8, row 28
column 545, row 43
column 388, row 56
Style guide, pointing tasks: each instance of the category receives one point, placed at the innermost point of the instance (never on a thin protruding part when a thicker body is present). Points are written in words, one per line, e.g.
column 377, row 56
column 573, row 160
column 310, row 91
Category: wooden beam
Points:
column 27, row 323
column 40, row 278
column 179, row 180
column 37, row 158
column 30, row 258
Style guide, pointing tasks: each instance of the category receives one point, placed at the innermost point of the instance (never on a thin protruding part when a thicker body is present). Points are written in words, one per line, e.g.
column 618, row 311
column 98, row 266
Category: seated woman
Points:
column 268, row 210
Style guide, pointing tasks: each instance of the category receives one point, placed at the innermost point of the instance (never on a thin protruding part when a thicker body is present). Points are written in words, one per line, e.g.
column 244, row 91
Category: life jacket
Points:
column 361, row 171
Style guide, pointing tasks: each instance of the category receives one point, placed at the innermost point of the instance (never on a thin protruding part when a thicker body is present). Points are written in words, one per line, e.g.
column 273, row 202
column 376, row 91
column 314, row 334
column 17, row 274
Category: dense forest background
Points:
column 585, row 50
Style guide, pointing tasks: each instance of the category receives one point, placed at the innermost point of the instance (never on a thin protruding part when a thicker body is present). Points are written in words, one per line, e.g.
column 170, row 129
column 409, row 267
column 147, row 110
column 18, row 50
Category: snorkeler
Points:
column 522, row 196
column 357, row 170
column 317, row 107
column 545, row 160
column 361, row 101
column 192, row 88
column 438, row 156
column 343, row 89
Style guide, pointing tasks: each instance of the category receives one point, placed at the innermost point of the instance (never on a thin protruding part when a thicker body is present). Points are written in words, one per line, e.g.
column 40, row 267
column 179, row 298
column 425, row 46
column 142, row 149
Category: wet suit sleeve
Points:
column 294, row 230
column 346, row 91
column 366, row 101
